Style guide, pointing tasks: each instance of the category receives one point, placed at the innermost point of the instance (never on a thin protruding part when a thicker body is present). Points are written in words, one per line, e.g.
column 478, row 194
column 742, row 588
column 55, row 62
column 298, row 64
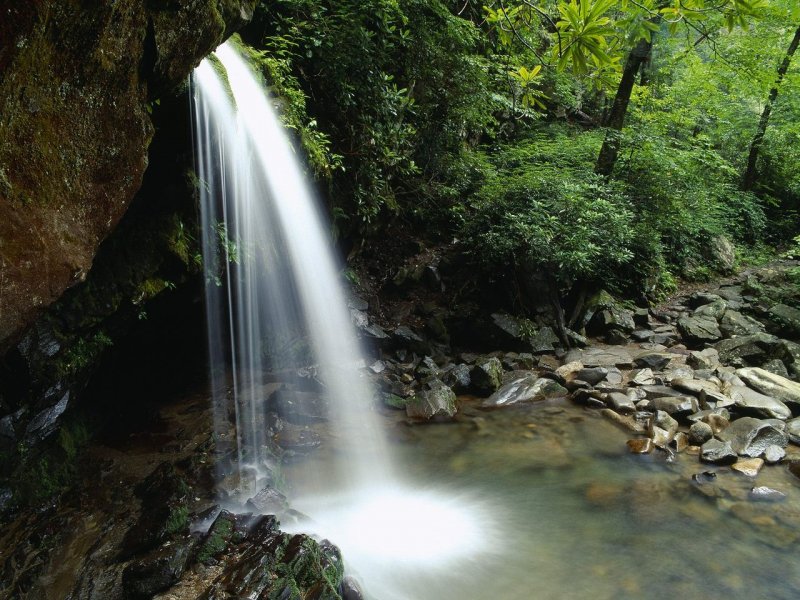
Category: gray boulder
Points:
column 703, row 359
column 716, row 452
column 699, row 329
column 486, row 376
column 734, row 323
column 437, row 401
column 750, row 350
column 787, row 320
column 526, row 389
column 752, row 403
column 751, row 437
column 775, row 386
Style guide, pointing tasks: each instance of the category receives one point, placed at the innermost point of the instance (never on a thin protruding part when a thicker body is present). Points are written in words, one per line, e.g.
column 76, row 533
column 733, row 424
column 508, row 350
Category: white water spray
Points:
column 272, row 279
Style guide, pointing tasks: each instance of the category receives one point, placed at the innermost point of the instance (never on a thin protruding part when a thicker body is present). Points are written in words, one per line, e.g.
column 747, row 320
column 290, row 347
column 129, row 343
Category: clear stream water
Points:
column 537, row 501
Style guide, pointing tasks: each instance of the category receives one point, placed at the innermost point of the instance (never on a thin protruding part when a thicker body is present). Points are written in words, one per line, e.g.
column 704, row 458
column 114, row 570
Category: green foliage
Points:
column 84, row 353
column 548, row 217
column 178, row 520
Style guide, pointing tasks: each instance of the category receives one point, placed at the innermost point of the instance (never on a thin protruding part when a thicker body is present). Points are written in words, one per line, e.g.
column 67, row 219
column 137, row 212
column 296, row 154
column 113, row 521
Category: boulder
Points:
column 592, row 375
column 751, row 437
column 703, row 359
column 752, row 350
column 458, row 378
column 703, row 388
column 775, row 386
column 544, row 341
column 700, row 433
column 786, row 319
column 436, row 401
column 722, row 254
column 734, row 324
column 657, row 361
column 676, row 406
column 699, row 329
column 602, row 357
column 716, row 452
column 158, row 571
column 622, row 403
column 526, row 389
column 715, row 310
column 486, row 375
column 75, row 87
column 752, row 403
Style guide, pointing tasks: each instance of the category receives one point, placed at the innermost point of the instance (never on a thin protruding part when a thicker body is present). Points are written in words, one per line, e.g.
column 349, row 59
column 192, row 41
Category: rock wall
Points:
column 76, row 80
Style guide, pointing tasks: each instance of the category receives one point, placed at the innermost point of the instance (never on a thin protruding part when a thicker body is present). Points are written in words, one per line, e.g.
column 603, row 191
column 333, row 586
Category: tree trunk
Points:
column 616, row 118
column 749, row 178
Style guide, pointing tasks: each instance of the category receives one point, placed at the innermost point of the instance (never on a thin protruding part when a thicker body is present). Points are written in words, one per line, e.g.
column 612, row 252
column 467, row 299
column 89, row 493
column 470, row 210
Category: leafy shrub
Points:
column 549, row 216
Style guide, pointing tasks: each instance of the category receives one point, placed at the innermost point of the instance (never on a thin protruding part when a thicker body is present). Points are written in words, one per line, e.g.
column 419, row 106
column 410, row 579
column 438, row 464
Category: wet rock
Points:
column 393, row 400
column 267, row 501
column 749, row 467
column 45, row 422
column 734, row 323
column 641, row 317
column 751, row 437
column 699, row 329
column 436, row 401
column 750, row 402
column 526, row 389
column 592, row 375
column 680, row 442
column 458, row 378
column 161, row 493
column 770, row 384
column 703, row 388
column 622, row 403
column 158, row 571
column 700, row 433
column 676, row 406
column 297, row 406
column 486, row 376
column 703, row 359
column 566, row 371
column 774, row 454
column 661, row 438
column 787, row 320
column 350, row 589
column 716, row 452
column 717, row 422
column 766, row 494
column 628, row 423
column 665, row 422
column 640, row 445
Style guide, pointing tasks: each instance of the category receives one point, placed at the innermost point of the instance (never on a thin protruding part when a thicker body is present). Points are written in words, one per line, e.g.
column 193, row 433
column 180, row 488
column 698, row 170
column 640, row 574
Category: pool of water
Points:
column 544, row 501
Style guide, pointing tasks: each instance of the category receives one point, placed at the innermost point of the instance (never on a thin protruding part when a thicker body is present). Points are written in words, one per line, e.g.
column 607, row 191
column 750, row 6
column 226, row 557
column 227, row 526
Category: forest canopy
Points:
column 596, row 139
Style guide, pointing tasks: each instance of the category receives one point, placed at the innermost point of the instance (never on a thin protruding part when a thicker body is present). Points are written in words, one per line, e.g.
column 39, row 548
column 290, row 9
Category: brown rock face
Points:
column 75, row 78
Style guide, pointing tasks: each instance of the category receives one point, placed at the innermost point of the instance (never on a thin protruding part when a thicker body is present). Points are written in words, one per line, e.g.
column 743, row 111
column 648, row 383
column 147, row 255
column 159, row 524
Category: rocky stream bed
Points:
column 667, row 418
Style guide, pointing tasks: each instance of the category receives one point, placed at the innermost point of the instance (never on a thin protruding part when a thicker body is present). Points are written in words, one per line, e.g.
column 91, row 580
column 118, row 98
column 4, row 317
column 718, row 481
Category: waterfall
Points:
column 271, row 283
column 270, row 270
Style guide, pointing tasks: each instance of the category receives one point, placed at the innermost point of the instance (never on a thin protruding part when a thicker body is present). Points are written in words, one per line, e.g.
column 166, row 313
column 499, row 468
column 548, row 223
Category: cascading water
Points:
column 271, row 282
